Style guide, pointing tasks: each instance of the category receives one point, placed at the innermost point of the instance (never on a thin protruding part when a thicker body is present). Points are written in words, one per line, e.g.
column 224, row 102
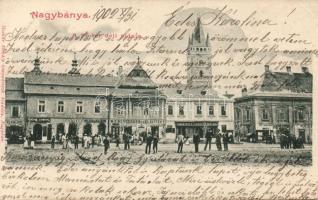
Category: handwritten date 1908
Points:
column 120, row 14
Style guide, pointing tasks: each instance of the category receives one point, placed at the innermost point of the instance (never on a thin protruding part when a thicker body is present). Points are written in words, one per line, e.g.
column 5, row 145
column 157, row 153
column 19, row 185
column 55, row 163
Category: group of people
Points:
column 288, row 141
column 219, row 137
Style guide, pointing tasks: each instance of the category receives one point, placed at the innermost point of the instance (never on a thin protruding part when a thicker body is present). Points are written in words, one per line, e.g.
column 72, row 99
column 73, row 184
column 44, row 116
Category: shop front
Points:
column 15, row 131
column 189, row 128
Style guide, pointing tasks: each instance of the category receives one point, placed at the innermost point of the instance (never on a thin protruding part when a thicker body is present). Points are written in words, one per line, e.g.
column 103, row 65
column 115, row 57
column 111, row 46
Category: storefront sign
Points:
column 196, row 123
column 39, row 120
column 16, row 122
column 137, row 121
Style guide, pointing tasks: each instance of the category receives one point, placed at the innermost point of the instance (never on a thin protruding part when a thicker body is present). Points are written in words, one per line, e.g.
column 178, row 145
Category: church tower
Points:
column 199, row 69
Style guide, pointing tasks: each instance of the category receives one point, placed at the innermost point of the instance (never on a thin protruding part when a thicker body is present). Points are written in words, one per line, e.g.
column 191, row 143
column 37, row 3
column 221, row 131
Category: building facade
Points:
column 15, row 109
column 282, row 104
column 41, row 105
column 195, row 106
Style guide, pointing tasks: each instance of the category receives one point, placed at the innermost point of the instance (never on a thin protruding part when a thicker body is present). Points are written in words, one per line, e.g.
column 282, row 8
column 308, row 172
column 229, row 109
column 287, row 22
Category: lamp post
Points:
column 109, row 98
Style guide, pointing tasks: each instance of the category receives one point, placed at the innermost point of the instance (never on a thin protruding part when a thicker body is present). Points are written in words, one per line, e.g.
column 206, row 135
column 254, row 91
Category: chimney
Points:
column 288, row 68
column 304, row 69
column 266, row 68
column 244, row 92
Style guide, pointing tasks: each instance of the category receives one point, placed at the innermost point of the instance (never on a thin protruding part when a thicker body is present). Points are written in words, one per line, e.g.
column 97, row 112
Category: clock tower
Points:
column 199, row 69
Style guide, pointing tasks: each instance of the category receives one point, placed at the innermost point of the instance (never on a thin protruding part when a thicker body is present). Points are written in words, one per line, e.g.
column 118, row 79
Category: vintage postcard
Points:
column 179, row 99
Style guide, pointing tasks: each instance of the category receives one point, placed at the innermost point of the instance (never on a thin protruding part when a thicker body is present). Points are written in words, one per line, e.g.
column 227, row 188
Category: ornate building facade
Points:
column 282, row 104
column 46, row 104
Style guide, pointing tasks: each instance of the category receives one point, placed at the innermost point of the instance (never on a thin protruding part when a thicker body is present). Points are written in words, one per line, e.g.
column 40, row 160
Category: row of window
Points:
column 282, row 114
column 60, row 107
column 198, row 110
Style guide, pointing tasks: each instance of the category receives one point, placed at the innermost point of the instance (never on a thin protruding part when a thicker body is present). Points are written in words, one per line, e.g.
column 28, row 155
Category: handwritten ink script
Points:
column 157, row 182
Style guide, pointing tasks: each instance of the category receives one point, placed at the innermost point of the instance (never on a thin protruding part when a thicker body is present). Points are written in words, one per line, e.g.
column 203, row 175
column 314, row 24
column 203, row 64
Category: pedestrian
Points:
column 155, row 142
column 218, row 140
column 117, row 139
column 126, row 138
column 76, row 141
column 93, row 140
column 225, row 141
column 106, row 143
column 5, row 144
column 32, row 140
column 52, row 142
column 208, row 137
column 148, row 143
column 180, row 141
column 64, row 141
column 196, row 141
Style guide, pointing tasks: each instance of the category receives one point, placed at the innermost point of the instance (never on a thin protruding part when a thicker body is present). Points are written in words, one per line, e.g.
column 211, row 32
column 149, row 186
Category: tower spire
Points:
column 74, row 69
column 36, row 67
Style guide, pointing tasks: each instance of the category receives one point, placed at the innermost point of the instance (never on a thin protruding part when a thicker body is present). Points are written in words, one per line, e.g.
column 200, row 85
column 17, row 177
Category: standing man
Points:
column 148, row 143
column 225, row 141
column 208, row 137
column 117, row 139
column 196, row 141
column 106, row 143
column 52, row 142
column 126, row 138
column 218, row 140
column 76, row 140
column 155, row 142
column 180, row 140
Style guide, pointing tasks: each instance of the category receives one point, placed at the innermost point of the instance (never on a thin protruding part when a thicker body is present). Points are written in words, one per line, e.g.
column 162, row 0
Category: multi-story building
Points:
column 65, row 103
column 137, row 105
column 195, row 106
column 46, row 104
column 282, row 103
column 15, row 109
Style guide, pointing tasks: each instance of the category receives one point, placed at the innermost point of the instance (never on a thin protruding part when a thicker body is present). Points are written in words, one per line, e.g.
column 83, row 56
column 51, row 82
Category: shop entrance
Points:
column 37, row 131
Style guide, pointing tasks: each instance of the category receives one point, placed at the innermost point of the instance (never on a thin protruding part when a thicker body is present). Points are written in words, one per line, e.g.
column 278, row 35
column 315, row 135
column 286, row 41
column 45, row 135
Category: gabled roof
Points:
column 137, row 78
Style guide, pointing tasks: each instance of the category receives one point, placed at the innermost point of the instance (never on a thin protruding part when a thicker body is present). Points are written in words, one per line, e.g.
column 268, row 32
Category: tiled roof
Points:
column 137, row 78
column 282, row 81
column 14, row 83
column 69, row 79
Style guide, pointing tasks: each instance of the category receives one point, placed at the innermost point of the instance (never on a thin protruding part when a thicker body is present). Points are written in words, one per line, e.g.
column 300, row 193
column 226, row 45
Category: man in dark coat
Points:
column 53, row 142
column 218, row 140
column 117, row 139
column 106, row 143
column 208, row 137
column 76, row 141
column 155, row 142
column 148, row 143
column 126, row 138
column 225, row 141
column 196, row 141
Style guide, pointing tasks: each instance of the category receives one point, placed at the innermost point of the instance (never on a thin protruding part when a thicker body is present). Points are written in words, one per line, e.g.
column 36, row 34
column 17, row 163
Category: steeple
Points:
column 36, row 68
column 199, row 72
column 74, row 69
column 198, row 31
